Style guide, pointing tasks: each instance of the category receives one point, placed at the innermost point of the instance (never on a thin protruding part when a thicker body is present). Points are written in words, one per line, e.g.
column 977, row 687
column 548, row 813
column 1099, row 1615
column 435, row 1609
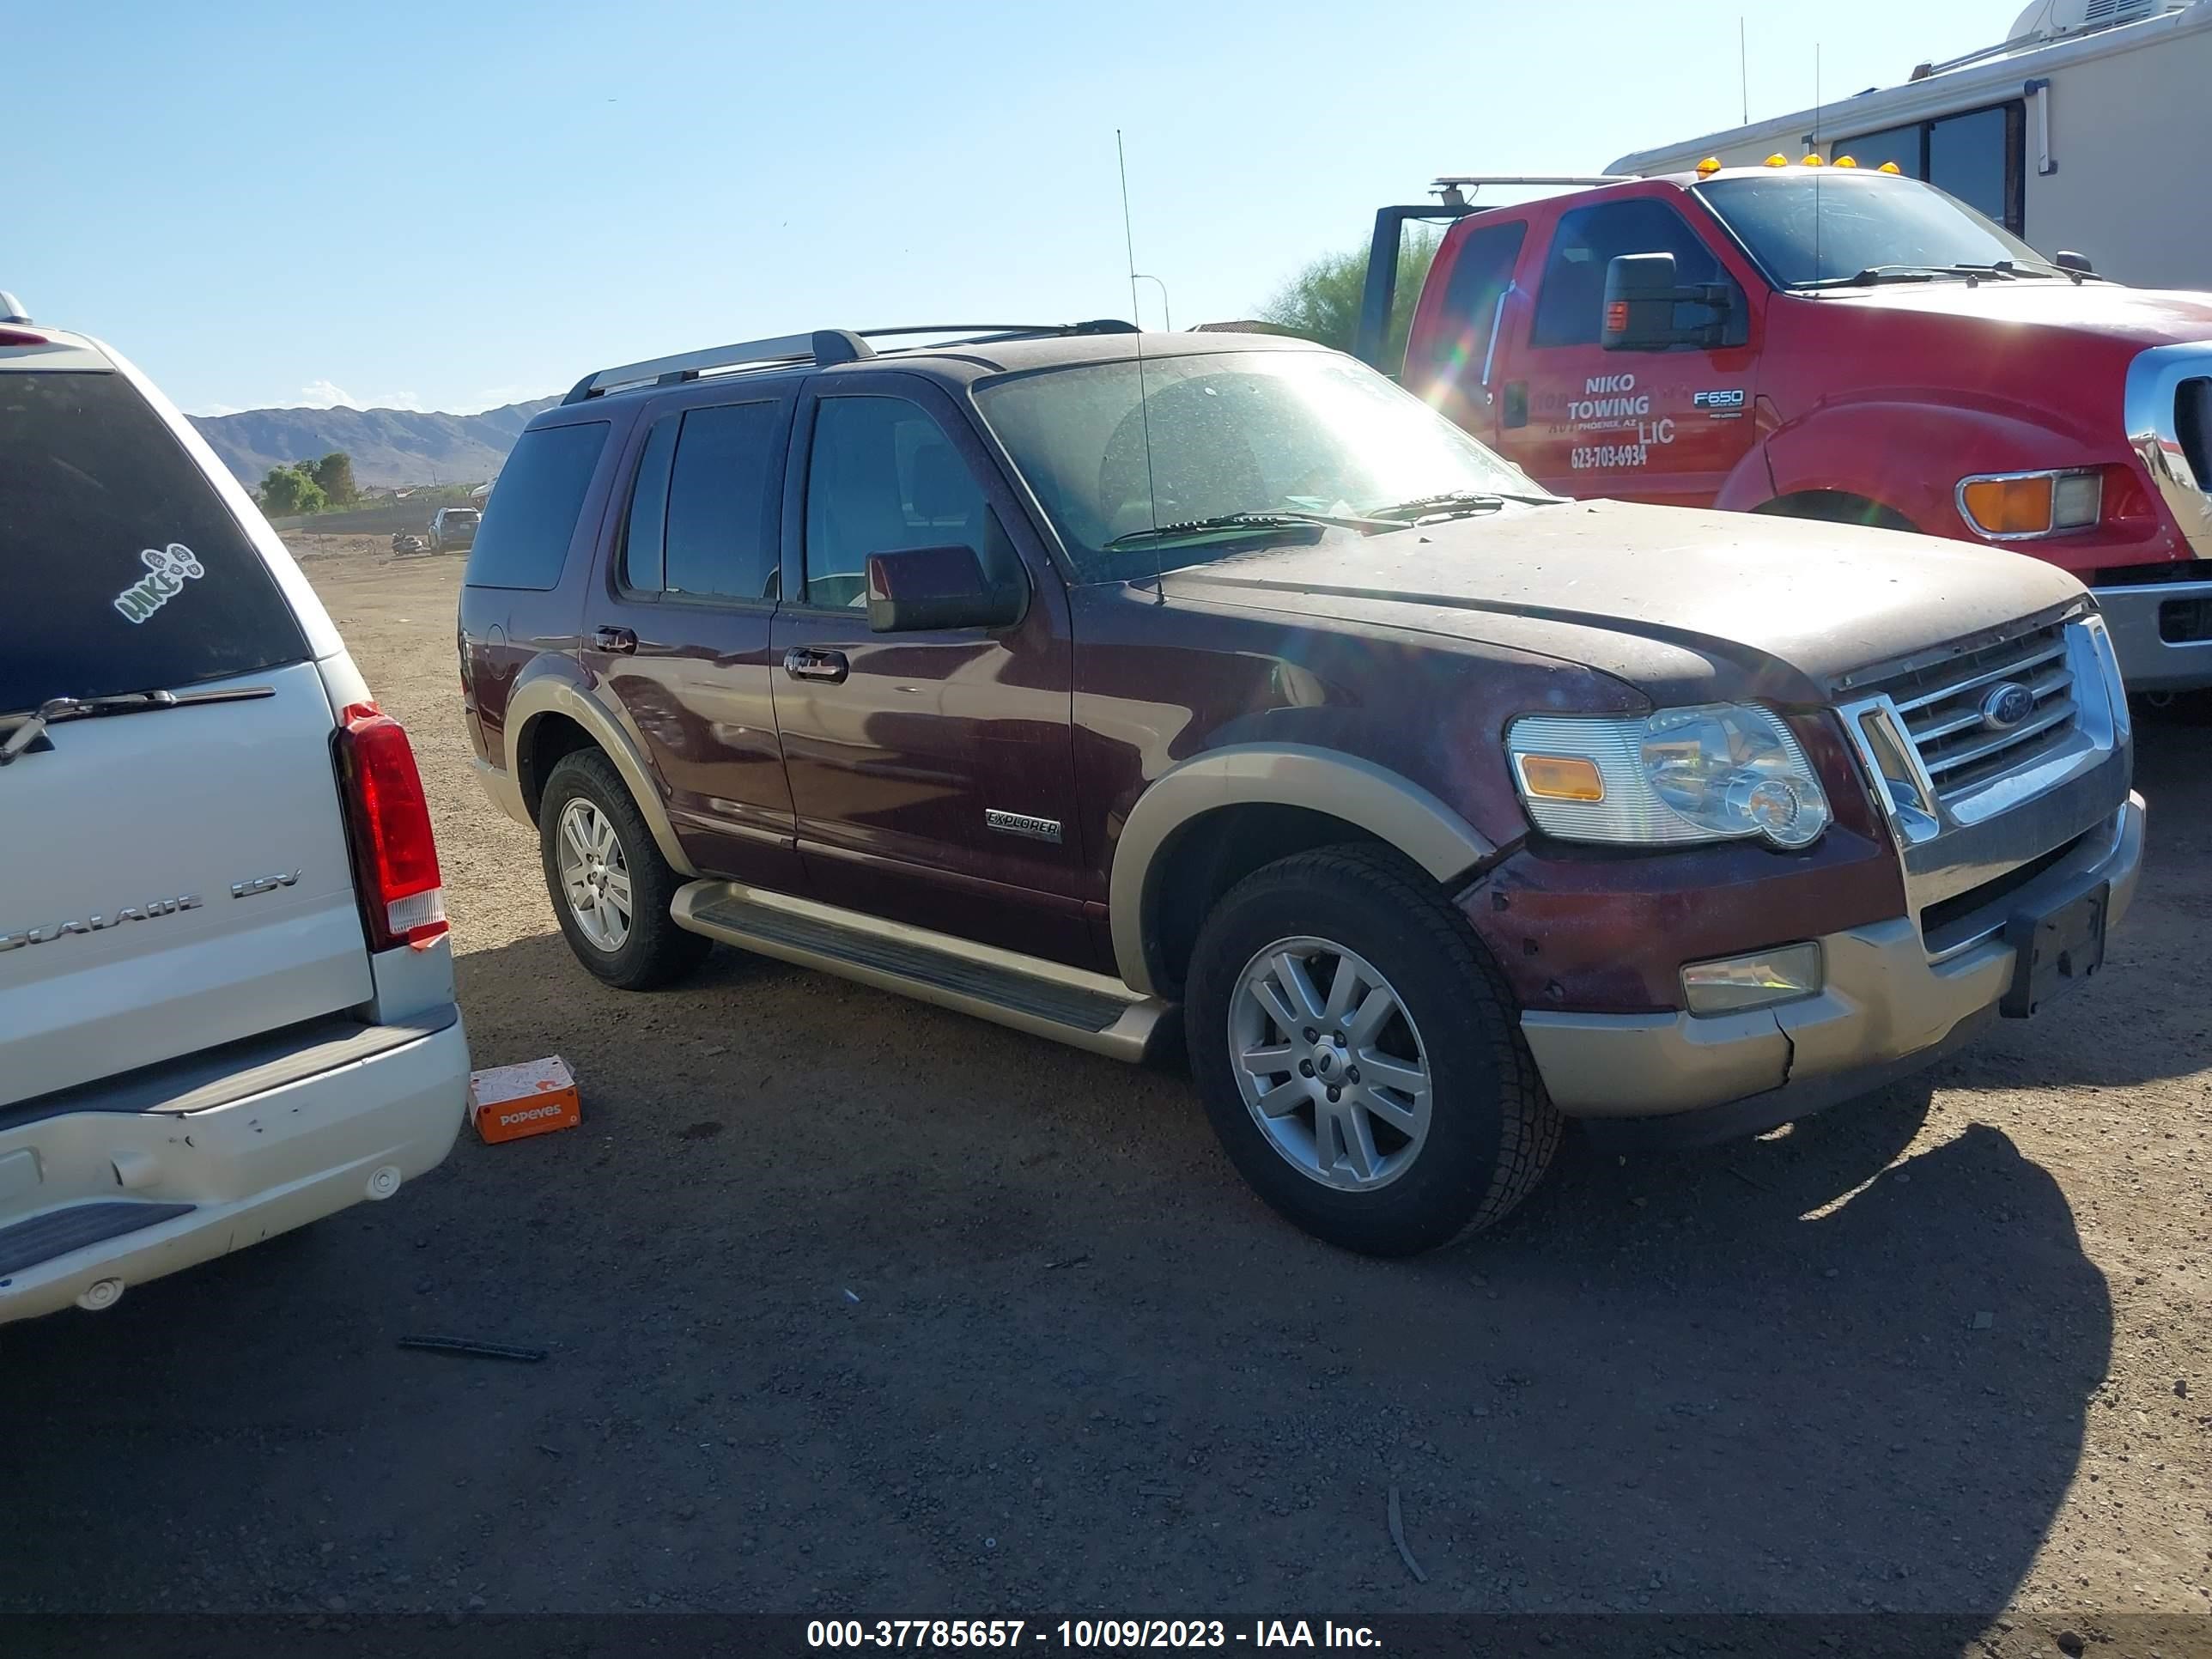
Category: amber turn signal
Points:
column 1561, row 777
column 2009, row 506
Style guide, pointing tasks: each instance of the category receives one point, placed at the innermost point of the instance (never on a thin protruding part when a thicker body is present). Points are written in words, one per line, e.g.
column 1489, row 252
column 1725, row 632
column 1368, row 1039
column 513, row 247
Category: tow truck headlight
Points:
column 1719, row 771
column 2006, row 506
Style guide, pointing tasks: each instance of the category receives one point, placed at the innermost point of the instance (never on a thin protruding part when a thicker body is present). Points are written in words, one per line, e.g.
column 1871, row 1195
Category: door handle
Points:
column 618, row 640
column 805, row 663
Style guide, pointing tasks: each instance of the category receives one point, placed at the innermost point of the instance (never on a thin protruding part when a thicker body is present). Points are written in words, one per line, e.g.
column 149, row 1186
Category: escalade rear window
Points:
column 530, row 519
column 122, row 568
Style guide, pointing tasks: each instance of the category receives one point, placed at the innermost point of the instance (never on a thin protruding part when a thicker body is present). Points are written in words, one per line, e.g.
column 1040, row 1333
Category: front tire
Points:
column 1360, row 1056
column 610, row 888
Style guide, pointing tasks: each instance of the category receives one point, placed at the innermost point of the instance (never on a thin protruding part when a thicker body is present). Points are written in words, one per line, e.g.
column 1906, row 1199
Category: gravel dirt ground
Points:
column 855, row 1305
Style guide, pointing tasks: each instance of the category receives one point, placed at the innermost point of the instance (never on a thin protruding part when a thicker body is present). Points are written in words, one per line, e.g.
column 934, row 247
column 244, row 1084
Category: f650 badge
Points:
column 1732, row 398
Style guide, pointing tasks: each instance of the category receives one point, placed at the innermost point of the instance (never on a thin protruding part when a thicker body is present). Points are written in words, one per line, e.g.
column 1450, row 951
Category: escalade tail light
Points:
column 395, row 856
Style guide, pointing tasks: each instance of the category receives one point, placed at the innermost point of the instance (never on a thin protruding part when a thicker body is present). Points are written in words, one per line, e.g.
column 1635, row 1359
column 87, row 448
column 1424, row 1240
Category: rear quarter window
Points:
column 122, row 567
column 522, row 539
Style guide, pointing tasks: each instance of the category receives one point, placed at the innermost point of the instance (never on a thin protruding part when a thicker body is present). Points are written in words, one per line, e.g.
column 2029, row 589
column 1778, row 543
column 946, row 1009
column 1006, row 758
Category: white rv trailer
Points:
column 2085, row 128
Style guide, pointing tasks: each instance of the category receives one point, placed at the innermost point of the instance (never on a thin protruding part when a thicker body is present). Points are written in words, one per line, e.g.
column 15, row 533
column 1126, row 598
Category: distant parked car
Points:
column 226, row 992
column 1229, row 686
column 454, row 528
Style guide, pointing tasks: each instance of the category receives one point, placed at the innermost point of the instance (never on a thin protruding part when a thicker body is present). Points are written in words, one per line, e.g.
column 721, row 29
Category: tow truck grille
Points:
column 1946, row 715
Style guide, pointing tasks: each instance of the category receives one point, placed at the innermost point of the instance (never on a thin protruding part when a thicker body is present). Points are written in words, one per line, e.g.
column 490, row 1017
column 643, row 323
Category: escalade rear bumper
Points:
column 1885, row 1010
column 96, row 1191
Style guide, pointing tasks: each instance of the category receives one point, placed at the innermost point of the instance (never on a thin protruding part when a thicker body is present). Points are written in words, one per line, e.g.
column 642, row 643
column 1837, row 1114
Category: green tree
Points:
column 289, row 490
column 1321, row 302
column 334, row 472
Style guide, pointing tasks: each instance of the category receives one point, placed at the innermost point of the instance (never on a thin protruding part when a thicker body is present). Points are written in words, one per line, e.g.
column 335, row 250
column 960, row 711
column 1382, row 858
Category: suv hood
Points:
column 1686, row 606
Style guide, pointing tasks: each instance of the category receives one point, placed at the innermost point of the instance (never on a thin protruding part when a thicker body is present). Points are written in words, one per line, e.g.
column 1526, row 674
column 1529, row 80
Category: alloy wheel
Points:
column 1330, row 1064
column 594, row 875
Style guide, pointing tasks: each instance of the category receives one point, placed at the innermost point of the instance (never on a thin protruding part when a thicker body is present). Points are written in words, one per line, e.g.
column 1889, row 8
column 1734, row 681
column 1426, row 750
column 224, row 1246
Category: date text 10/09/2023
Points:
column 1086, row 1634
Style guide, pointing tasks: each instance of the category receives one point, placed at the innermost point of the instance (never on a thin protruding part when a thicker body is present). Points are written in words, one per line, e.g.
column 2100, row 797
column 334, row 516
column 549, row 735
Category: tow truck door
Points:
column 1666, row 427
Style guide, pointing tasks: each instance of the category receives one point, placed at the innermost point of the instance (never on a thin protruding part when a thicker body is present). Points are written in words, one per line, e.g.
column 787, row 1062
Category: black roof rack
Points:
column 824, row 348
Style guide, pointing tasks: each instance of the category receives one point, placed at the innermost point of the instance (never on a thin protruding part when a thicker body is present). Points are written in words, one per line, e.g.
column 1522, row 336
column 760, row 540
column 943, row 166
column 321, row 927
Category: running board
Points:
column 1045, row 999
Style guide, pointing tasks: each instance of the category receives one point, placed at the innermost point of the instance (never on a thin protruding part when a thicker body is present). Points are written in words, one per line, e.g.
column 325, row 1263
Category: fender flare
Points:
column 1385, row 804
column 551, row 692
column 1908, row 454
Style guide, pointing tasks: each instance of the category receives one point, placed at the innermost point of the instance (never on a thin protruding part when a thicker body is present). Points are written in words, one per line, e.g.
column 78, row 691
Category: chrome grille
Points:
column 1941, row 705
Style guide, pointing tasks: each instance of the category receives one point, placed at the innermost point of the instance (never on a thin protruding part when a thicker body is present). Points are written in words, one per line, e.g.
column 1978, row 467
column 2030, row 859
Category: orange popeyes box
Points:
column 506, row 1102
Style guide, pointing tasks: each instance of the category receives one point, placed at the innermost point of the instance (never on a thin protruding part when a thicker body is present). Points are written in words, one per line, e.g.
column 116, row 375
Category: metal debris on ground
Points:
column 1397, row 1537
column 471, row 1349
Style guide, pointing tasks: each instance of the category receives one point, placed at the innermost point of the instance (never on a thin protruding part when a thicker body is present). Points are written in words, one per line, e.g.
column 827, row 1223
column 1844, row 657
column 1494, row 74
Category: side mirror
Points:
column 921, row 587
column 2067, row 259
column 1641, row 294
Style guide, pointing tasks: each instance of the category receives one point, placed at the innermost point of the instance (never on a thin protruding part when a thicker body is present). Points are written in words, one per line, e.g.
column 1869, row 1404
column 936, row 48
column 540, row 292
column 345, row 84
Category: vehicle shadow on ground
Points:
column 851, row 1303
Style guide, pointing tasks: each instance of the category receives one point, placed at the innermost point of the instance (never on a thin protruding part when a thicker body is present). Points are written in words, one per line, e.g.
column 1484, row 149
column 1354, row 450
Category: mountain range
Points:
column 388, row 445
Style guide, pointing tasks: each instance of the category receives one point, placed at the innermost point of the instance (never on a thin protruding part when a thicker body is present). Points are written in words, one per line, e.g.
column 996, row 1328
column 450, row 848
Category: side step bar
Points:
column 1045, row 999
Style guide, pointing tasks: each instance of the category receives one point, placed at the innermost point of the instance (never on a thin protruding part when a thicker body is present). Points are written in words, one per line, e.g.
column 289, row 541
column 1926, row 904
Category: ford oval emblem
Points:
column 2006, row 705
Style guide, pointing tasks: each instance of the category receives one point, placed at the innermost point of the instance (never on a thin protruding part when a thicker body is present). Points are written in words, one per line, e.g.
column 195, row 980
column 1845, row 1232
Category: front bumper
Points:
column 205, row 1183
column 2152, row 628
column 1887, row 1010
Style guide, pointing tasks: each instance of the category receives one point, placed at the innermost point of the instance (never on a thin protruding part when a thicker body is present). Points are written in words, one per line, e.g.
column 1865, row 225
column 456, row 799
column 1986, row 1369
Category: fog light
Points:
column 2077, row 501
column 1733, row 983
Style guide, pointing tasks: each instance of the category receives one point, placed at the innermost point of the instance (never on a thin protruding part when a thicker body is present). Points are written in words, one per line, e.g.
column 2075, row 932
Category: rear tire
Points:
column 610, row 888
column 1328, row 961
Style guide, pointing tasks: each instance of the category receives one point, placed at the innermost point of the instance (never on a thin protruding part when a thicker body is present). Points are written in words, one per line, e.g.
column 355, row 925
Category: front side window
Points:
column 882, row 477
column 126, row 571
column 531, row 517
column 1117, row 452
column 1570, row 301
column 1805, row 229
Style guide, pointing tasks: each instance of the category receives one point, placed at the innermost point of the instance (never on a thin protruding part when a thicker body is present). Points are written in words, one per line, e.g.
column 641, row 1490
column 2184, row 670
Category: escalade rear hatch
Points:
column 174, row 870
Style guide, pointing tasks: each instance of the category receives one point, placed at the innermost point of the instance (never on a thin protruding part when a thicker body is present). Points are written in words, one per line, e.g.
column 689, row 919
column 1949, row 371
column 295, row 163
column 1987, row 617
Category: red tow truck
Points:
column 1829, row 341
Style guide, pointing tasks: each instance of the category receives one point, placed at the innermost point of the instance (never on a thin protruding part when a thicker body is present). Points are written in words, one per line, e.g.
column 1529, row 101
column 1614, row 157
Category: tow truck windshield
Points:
column 1841, row 229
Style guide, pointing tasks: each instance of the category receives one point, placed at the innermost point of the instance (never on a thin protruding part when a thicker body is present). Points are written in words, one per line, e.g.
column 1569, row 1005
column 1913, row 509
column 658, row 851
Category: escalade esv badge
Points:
column 101, row 923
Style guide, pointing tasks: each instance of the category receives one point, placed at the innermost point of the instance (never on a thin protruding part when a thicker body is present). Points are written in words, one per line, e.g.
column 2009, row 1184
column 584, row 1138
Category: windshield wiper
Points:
column 57, row 710
column 2004, row 270
column 1455, row 504
column 1257, row 523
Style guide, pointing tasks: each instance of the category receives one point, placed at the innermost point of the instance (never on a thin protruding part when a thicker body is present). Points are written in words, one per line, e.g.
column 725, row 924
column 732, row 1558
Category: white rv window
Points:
column 1978, row 156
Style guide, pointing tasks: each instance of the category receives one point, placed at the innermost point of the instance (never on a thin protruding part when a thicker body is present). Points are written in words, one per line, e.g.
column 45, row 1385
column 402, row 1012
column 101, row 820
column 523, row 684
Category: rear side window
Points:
column 1480, row 273
column 1588, row 239
column 523, row 538
column 721, row 542
column 124, row 570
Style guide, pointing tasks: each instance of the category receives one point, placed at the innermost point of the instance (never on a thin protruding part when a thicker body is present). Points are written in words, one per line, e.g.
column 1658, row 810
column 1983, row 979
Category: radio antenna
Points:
column 1144, row 409
column 1743, row 67
column 1816, row 151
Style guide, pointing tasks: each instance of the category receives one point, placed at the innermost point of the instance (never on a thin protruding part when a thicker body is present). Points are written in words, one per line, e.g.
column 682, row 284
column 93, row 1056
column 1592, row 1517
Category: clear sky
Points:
column 459, row 205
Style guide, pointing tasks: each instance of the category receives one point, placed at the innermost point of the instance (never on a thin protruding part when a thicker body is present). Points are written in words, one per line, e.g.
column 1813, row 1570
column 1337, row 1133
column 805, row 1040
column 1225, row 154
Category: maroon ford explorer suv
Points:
column 1102, row 684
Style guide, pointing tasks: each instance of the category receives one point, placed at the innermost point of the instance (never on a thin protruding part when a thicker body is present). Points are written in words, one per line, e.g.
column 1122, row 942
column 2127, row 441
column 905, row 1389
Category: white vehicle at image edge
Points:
column 226, row 988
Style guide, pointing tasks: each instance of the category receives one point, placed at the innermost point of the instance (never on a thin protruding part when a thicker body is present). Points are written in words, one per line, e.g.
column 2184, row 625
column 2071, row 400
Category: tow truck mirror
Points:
column 930, row 588
column 1641, row 296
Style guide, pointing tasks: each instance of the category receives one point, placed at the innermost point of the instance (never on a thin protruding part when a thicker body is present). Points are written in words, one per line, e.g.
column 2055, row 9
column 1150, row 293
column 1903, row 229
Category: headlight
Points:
column 1720, row 771
column 2013, row 506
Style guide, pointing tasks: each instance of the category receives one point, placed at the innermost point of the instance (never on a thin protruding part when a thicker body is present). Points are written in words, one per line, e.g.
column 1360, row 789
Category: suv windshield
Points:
column 129, row 572
column 1229, row 434
column 1835, row 227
